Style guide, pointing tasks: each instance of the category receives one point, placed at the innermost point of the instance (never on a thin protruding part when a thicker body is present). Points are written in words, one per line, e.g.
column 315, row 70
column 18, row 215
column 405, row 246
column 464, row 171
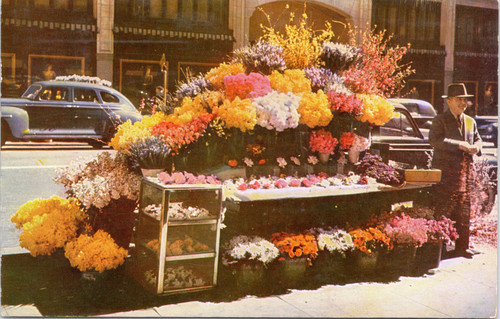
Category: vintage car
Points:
column 422, row 111
column 66, row 110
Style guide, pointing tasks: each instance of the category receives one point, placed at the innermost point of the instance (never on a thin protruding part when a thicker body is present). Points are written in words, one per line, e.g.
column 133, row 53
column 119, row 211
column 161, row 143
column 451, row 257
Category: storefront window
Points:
column 172, row 9
column 155, row 8
column 202, row 10
column 61, row 4
column 42, row 3
column 80, row 5
column 187, row 10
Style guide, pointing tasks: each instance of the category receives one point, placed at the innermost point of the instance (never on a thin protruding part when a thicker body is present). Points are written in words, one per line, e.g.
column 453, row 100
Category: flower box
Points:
column 428, row 176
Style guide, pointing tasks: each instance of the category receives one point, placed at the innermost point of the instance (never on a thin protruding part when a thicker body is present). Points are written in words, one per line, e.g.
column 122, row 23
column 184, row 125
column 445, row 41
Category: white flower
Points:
column 295, row 160
column 248, row 162
column 360, row 143
column 277, row 110
column 313, row 160
column 281, row 162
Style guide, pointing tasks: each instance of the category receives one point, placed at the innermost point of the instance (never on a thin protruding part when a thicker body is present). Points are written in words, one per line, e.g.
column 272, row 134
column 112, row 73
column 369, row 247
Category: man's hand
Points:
column 468, row 148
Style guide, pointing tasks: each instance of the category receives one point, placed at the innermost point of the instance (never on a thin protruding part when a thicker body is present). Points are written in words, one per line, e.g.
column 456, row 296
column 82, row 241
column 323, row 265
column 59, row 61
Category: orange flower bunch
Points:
column 216, row 75
column 255, row 149
column 296, row 245
column 370, row 239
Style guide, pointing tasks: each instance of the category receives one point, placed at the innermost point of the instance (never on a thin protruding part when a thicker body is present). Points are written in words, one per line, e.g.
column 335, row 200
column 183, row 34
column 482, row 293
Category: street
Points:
column 26, row 174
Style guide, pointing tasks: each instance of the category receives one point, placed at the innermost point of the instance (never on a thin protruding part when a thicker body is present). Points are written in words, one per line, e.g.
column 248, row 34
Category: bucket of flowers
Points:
column 246, row 257
column 370, row 243
column 407, row 234
column 439, row 232
column 297, row 253
column 152, row 155
column 333, row 244
column 324, row 143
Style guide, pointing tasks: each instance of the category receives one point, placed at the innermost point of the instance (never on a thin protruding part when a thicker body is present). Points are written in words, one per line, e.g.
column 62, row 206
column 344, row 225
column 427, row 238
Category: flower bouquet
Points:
column 323, row 142
column 108, row 189
column 369, row 243
column 151, row 153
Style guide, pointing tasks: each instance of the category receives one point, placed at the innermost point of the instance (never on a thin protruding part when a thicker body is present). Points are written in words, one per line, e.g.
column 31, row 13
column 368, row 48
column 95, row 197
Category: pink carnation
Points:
column 306, row 182
column 179, row 178
column 243, row 187
column 246, row 86
column 255, row 185
column 294, row 183
column 280, row 183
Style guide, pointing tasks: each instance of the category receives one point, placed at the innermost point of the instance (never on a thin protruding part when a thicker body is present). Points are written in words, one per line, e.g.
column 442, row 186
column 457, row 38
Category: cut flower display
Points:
column 371, row 239
column 322, row 141
column 244, row 248
column 292, row 245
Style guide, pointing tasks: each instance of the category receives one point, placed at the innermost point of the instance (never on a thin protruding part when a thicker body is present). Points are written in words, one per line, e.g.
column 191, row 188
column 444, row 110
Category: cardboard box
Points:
column 428, row 176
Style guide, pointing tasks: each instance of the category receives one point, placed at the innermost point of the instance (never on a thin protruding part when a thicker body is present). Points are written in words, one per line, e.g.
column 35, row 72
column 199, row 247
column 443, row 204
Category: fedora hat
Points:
column 457, row 90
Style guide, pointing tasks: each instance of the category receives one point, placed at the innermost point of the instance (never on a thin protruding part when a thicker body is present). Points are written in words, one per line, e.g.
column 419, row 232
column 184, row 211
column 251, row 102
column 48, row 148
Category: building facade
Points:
column 123, row 40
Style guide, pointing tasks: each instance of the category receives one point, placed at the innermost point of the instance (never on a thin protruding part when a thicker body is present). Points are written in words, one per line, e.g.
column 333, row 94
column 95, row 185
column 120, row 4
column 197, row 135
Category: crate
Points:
column 427, row 176
column 177, row 237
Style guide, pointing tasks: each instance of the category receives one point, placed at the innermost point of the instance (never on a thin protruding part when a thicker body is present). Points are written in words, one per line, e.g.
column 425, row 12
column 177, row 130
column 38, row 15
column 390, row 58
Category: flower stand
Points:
column 427, row 257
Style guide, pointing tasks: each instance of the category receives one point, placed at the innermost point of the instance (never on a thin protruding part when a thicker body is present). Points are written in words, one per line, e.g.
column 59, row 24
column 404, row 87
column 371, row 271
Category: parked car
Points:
column 402, row 141
column 422, row 111
column 66, row 110
column 487, row 126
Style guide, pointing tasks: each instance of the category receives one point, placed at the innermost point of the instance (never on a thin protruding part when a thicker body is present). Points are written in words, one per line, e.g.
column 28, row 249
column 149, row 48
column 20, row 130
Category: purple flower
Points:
column 339, row 57
column 262, row 57
column 192, row 88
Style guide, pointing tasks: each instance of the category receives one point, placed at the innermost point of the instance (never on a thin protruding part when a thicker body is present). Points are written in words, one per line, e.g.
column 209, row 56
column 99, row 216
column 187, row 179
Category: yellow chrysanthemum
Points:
column 48, row 224
column 216, row 75
column 314, row 109
column 294, row 81
column 189, row 110
column 98, row 252
column 238, row 113
column 376, row 109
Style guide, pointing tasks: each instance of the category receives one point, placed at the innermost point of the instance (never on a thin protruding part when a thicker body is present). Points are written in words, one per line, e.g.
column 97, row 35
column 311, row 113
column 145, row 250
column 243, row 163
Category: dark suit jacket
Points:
column 444, row 136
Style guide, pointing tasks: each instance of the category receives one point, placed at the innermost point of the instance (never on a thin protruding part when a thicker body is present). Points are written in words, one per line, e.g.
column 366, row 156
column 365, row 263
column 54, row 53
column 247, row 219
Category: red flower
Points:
column 322, row 141
column 346, row 140
column 255, row 185
column 280, row 183
column 294, row 183
column 243, row 187
column 232, row 163
column 262, row 162
column 306, row 182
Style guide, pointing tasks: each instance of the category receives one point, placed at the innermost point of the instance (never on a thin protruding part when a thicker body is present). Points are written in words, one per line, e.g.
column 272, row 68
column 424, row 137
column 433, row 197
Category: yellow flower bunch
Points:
column 238, row 113
column 294, row 81
column 48, row 224
column 211, row 99
column 376, row 109
column 127, row 133
column 314, row 109
column 301, row 44
column 189, row 110
column 98, row 252
column 216, row 75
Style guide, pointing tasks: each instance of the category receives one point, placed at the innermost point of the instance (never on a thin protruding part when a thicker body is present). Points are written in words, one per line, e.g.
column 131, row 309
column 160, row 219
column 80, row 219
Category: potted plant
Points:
column 324, row 143
column 406, row 234
column 369, row 243
column 439, row 231
column 297, row 253
column 108, row 190
column 246, row 257
column 152, row 155
column 333, row 243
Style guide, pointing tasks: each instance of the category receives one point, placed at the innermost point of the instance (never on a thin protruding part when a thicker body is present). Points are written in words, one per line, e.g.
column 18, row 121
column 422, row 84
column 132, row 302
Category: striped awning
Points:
column 173, row 34
column 49, row 24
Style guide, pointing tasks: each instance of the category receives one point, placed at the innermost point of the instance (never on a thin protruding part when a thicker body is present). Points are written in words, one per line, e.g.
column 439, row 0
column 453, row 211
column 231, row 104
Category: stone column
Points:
column 448, row 15
column 238, row 22
column 105, row 10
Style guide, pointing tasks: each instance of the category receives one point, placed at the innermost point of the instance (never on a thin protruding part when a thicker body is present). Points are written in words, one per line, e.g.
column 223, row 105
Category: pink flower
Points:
column 294, row 183
column 248, row 162
column 202, row 179
column 165, row 178
column 314, row 179
column 295, row 160
column 306, row 182
column 313, row 160
column 280, row 183
column 281, row 162
column 243, row 187
column 267, row 186
column 255, row 185
column 213, row 180
column 179, row 178
column 323, row 175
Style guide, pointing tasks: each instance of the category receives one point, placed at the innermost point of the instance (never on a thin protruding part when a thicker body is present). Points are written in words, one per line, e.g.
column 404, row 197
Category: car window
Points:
column 109, row 98
column 54, row 94
column 32, row 91
column 399, row 125
column 85, row 95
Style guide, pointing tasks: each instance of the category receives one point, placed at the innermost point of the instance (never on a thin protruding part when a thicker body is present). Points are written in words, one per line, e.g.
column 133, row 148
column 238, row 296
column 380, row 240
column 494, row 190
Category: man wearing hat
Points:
column 455, row 140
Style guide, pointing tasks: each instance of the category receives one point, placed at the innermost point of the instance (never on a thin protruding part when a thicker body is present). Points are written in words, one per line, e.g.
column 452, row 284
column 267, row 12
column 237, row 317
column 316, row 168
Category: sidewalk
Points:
column 459, row 288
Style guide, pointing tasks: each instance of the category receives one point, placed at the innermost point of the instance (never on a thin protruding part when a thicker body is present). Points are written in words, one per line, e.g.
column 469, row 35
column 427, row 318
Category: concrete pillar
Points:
column 105, row 10
column 448, row 15
column 238, row 22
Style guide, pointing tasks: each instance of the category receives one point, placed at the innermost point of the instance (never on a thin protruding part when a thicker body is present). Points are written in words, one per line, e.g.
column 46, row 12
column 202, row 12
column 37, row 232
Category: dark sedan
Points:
column 66, row 110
